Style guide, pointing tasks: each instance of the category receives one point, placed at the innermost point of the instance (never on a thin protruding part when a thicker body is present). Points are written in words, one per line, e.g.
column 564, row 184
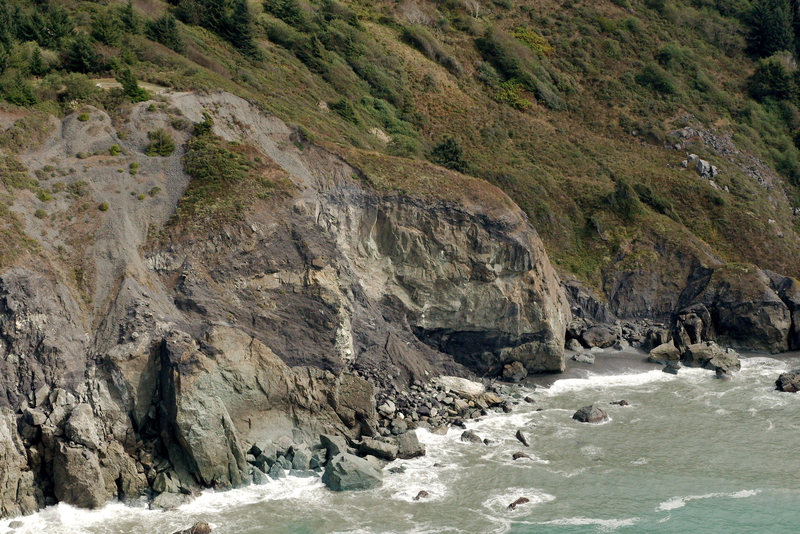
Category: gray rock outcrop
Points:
column 590, row 414
column 346, row 472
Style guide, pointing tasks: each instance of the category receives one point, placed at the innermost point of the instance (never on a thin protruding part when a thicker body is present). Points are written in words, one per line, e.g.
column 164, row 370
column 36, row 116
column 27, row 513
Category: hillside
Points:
column 572, row 109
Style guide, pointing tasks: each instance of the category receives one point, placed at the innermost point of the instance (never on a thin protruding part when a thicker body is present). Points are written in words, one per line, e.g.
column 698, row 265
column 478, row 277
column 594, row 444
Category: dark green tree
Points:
column 238, row 29
column 130, row 87
column 38, row 66
column 771, row 27
column 772, row 79
column 80, row 56
column 47, row 28
column 130, row 19
column 164, row 30
column 107, row 28
column 449, row 154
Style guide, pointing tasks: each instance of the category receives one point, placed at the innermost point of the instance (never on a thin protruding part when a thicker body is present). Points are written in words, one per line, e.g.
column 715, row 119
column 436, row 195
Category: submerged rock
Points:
column 470, row 437
column 520, row 435
column 789, row 381
column 584, row 357
column 519, row 455
column 346, row 472
column 422, row 495
column 521, row 500
column 197, row 528
column 672, row 368
column 590, row 414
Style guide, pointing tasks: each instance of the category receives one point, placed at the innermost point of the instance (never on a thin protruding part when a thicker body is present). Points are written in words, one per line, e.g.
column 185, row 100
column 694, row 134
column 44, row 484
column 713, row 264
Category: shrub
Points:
column 83, row 117
column 81, row 56
column 344, row 108
column 40, row 213
column 623, row 200
column 533, row 40
column 133, row 168
column 421, row 39
column 772, row 78
column 114, row 150
column 449, row 154
column 509, row 92
column 77, row 88
column 161, row 143
column 656, row 78
column 103, row 206
column 154, row 191
column 17, row 90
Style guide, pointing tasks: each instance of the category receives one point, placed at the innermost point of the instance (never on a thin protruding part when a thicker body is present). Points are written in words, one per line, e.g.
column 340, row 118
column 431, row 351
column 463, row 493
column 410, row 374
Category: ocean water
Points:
column 690, row 454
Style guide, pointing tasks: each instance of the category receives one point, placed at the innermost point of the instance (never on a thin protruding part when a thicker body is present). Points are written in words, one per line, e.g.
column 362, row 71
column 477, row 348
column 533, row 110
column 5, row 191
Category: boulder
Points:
column 602, row 336
column 197, row 528
column 77, row 478
column 514, row 372
column 81, row 427
column 521, row 500
column 672, row 368
column 584, row 357
column 789, row 381
column 422, row 495
column 574, row 345
column 335, row 445
column 590, row 414
column 301, row 458
column 520, row 435
column 460, row 386
column 470, row 437
column 711, row 356
column 276, row 471
column 519, row 455
column 408, row 446
column 664, row 354
column 381, row 449
column 726, row 361
column 346, row 472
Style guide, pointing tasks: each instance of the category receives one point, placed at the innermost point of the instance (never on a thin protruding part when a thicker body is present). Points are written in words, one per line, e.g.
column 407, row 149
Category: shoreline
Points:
column 606, row 363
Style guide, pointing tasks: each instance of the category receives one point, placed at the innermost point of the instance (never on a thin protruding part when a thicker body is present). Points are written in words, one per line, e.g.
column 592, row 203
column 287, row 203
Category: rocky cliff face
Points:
column 136, row 365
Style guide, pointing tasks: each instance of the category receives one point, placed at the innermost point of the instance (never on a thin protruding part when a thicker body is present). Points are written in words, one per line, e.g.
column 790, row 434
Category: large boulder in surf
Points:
column 711, row 356
column 601, row 335
column 590, row 414
column 789, row 381
column 664, row 354
column 346, row 472
column 408, row 446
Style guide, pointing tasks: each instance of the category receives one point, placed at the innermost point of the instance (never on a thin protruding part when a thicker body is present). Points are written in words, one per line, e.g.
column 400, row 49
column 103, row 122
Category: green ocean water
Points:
column 689, row 454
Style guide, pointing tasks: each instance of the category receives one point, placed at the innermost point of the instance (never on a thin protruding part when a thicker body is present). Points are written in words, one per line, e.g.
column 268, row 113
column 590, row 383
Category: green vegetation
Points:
column 161, row 143
column 114, row 150
column 103, row 206
column 130, row 87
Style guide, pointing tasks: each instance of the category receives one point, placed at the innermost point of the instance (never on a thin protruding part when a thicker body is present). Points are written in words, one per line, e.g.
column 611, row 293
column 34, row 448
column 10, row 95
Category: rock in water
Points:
column 672, row 368
column 522, row 438
column 408, row 446
column 346, row 472
column 789, row 381
column 470, row 437
column 621, row 403
column 664, row 354
column 380, row 449
column 197, row 528
column 590, row 414
column 521, row 500
column 422, row 495
column 574, row 345
column 518, row 455
column 514, row 372
column 584, row 357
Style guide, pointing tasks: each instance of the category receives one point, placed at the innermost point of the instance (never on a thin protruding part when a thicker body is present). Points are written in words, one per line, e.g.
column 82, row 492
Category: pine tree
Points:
column 81, row 56
column 164, row 30
column 771, row 27
column 38, row 67
column 130, row 20
column 239, row 29
column 130, row 87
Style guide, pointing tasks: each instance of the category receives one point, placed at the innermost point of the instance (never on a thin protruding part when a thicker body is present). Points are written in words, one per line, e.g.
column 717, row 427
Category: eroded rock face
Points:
column 171, row 358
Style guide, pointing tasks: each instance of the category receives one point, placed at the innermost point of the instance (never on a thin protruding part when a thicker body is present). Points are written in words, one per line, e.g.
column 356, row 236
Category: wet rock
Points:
column 584, row 357
column 470, row 437
column 672, row 368
column 514, row 372
column 346, row 472
column 711, row 356
column 621, row 403
column 602, row 336
column 518, row 502
column 722, row 374
column 381, row 449
column 301, row 458
column 422, row 495
column 77, row 477
column 574, row 345
column 168, row 501
column 408, row 446
column 197, row 528
column 520, row 435
column 276, row 471
column 664, row 353
column 519, row 455
column 259, row 476
column 789, row 381
column 590, row 414
column 335, row 445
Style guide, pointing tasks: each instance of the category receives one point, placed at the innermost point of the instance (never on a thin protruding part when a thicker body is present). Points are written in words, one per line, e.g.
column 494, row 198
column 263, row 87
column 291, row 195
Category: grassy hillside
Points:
column 567, row 106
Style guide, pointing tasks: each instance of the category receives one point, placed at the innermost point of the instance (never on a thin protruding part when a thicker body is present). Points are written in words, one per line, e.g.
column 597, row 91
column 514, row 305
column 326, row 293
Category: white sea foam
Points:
column 608, row 381
column 679, row 502
column 604, row 524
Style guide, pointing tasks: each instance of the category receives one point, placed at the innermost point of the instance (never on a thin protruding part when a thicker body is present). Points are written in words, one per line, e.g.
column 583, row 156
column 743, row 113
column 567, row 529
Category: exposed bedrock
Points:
column 158, row 374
